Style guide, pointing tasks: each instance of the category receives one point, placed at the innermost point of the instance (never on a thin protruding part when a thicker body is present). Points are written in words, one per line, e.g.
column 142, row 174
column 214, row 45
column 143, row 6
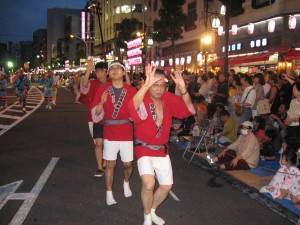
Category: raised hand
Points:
column 103, row 97
column 90, row 64
column 150, row 76
column 179, row 81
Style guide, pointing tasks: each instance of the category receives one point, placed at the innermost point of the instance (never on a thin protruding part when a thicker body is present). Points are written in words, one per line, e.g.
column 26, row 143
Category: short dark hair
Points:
column 290, row 155
column 248, row 79
column 160, row 72
column 204, row 78
column 224, row 113
column 101, row 65
column 261, row 78
column 270, row 133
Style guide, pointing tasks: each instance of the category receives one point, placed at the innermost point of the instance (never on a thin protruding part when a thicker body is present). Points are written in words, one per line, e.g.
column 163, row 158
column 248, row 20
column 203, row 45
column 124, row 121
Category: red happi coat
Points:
column 144, row 122
column 115, row 109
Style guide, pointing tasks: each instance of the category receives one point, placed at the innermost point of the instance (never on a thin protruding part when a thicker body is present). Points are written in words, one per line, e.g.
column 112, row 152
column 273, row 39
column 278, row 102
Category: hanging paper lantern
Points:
column 177, row 61
column 199, row 57
column 292, row 22
column 215, row 23
column 182, row 60
column 189, row 59
column 223, row 10
column 271, row 26
column 162, row 63
column 157, row 63
column 234, row 29
column 220, row 30
column 170, row 62
column 250, row 28
column 152, row 63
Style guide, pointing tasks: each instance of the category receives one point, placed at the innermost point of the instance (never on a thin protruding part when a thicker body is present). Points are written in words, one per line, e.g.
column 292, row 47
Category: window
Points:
column 125, row 9
column 137, row 8
column 191, row 17
column 256, row 4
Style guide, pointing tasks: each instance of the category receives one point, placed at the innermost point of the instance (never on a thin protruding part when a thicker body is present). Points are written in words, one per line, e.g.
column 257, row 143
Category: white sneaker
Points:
column 209, row 159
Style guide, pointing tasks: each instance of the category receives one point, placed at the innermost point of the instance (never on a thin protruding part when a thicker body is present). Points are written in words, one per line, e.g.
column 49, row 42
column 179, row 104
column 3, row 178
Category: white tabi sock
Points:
column 127, row 190
column 147, row 219
column 110, row 198
column 155, row 219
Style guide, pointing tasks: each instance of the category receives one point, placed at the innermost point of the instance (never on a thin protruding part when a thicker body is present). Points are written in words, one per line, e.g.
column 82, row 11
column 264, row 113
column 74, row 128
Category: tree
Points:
column 169, row 26
column 125, row 31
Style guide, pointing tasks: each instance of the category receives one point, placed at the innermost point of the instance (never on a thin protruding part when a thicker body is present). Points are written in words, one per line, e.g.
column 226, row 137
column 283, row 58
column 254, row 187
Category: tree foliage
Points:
column 172, row 19
column 125, row 31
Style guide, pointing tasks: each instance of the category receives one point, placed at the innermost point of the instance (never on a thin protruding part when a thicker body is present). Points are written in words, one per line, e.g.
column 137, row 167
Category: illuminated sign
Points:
column 259, row 43
column 135, row 61
column 83, row 24
column 134, row 52
column 233, row 47
column 134, row 43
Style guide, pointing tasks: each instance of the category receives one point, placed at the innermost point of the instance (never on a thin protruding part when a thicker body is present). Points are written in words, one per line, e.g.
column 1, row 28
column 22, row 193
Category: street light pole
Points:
column 86, row 44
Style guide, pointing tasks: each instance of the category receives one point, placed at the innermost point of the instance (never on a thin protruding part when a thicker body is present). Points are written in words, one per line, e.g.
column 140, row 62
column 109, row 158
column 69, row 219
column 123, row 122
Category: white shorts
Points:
column 159, row 166
column 111, row 149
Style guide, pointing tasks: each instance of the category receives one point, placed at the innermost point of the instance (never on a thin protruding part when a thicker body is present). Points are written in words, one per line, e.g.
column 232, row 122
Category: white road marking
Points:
column 8, row 113
column 7, row 190
column 32, row 196
column 174, row 196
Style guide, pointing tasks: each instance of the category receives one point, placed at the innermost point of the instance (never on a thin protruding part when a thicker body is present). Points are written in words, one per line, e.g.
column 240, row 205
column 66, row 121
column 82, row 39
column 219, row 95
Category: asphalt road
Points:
column 72, row 196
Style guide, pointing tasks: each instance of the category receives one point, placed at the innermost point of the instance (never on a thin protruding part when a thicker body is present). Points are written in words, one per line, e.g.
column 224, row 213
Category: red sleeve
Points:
column 134, row 116
column 179, row 108
column 97, row 98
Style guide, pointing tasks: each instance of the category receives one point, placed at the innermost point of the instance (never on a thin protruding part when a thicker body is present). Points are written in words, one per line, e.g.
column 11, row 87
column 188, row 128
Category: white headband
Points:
column 116, row 64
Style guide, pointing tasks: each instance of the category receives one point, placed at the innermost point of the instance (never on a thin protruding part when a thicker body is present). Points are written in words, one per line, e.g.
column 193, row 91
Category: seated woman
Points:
column 286, row 181
column 243, row 154
column 229, row 133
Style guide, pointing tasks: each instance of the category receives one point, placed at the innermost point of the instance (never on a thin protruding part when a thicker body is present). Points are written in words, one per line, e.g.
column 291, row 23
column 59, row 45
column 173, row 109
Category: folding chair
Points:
column 198, row 143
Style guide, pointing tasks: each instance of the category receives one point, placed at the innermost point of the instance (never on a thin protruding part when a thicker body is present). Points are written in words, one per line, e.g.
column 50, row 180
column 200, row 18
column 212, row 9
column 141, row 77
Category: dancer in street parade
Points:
column 3, row 94
column 111, row 105
column 89, row 88
column 22, row 85
column 152, row 109
column 48, row 82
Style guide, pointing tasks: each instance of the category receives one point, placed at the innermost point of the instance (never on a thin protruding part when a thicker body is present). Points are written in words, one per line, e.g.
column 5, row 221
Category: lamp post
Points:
column 86, row 44
column 97, row 10
column 206, row 40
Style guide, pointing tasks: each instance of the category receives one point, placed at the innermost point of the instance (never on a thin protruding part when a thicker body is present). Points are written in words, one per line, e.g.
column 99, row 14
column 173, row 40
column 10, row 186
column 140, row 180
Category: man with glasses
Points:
column 243, row 154
column 89, row 88
column 152, row 110
column 110, row 105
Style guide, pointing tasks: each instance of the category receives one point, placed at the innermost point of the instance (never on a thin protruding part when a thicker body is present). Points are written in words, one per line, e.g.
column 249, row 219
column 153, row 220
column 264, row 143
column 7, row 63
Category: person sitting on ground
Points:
column 280, row 118
column 217, row 123
column 229, row 133
column 243, row 154
column 199, row 104
column 259, row 124
column 287, row 179
column 185, row 126
column 268, row 149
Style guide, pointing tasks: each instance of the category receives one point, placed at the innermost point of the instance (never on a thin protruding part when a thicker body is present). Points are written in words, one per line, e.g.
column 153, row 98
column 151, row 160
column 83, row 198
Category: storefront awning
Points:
column 292, row 55
column 256, row 57
column 242, row 59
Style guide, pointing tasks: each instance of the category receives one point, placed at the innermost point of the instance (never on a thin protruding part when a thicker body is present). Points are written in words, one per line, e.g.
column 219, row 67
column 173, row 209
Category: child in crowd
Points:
column 280, row 118
column 267, row 151
column 286, row 182
column 217, row 123
column 199, row 104
column 259, row 125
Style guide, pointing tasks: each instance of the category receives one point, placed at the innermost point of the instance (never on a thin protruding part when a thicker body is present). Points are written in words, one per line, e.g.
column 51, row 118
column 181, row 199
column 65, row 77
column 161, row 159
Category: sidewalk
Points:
column 249, row 182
